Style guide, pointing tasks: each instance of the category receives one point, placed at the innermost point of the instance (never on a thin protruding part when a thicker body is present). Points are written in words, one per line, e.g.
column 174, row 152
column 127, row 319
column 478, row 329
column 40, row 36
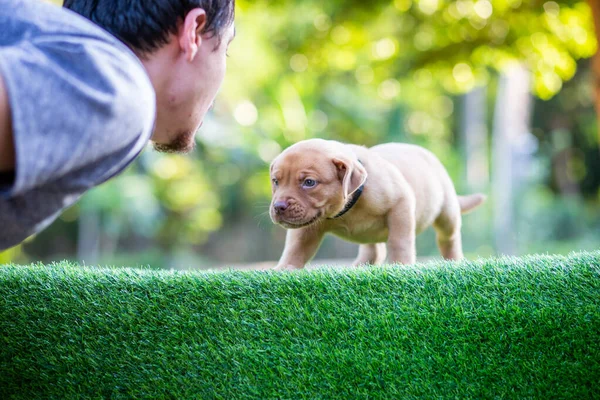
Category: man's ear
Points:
column 351, row 173
column 190, row 35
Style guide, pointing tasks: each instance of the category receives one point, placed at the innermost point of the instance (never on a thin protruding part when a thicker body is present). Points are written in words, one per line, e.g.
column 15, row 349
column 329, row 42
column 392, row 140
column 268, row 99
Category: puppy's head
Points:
column 312, row 180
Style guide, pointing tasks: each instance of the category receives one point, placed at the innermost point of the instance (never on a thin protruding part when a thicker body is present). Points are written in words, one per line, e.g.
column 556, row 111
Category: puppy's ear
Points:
column 351, row 173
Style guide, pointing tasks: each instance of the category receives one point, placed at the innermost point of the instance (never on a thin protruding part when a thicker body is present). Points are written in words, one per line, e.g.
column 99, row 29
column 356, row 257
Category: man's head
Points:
column 183, row 45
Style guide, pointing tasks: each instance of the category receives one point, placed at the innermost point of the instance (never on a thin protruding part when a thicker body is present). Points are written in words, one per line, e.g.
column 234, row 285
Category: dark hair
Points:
column 145, row 25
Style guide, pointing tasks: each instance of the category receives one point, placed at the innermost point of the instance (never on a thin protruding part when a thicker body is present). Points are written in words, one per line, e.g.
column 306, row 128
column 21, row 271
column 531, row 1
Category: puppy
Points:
column 380, row 197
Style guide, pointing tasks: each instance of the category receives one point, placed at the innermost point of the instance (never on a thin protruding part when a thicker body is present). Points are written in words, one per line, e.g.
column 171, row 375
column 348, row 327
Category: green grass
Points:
column 498, row 328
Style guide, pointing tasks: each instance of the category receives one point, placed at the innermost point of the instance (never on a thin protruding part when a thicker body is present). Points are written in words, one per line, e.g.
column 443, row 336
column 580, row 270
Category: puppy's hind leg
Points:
column 447, row 227
column 372, row 253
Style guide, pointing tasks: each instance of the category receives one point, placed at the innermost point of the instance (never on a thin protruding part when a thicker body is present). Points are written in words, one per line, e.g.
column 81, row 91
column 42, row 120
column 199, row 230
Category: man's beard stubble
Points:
column 182, row 143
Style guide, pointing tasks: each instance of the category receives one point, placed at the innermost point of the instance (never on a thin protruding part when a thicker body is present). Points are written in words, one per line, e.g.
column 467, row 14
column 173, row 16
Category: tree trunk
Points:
column 595, row 5
column 475, row 140
column 512, row 117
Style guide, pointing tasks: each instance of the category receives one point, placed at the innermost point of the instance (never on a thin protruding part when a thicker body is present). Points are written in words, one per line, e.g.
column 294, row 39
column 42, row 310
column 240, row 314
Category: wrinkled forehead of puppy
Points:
column 313, row 155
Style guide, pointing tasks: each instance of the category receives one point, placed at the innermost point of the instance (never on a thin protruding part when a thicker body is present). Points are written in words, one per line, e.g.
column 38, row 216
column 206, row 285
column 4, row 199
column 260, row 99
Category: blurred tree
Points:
column 595, row 7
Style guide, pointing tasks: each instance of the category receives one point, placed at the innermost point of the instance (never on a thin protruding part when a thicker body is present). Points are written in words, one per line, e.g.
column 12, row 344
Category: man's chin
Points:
column 184, row 142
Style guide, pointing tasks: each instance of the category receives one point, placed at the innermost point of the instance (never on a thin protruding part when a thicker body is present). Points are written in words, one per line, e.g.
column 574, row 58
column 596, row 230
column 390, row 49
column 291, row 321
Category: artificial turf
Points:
column 499, row 328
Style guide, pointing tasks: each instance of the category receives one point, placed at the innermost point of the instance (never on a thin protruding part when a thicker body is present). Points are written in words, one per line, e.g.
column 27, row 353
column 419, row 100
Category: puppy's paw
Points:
column 286, row 267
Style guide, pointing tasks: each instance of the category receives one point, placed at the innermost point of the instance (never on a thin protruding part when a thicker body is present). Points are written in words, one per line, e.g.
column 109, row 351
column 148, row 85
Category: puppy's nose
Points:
column 280, row 206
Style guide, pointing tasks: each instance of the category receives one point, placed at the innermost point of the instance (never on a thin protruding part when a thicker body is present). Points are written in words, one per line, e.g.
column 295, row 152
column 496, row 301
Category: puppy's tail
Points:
column 469, row 202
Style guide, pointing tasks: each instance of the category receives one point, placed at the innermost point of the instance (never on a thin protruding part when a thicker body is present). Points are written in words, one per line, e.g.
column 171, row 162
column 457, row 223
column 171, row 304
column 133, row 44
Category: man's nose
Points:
column 280, row 206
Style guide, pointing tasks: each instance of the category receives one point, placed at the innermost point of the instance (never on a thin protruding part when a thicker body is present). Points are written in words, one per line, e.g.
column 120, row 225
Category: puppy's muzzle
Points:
column 290, row 214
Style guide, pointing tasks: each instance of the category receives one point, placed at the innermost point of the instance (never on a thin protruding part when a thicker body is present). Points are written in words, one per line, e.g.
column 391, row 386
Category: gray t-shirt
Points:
column 82, row 109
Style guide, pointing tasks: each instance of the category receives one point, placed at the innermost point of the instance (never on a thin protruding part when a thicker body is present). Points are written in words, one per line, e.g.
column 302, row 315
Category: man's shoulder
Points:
column 79, row 98
column 97, row 67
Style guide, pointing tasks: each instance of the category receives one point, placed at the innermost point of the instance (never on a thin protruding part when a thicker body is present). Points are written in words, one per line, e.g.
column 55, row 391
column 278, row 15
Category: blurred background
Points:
column 502, row 91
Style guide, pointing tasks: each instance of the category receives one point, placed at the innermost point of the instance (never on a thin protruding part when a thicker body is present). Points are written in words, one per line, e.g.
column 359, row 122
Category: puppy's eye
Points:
column 275, row 182
column 308, row 183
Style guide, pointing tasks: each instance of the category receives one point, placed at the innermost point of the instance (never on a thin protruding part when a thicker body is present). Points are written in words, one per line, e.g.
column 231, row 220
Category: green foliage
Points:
column 372, row 73
column 385, row 71
column 497, row 328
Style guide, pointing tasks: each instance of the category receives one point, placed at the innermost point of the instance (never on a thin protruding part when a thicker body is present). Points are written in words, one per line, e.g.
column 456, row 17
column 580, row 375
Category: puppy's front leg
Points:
column 300, row 246
column 401, row 244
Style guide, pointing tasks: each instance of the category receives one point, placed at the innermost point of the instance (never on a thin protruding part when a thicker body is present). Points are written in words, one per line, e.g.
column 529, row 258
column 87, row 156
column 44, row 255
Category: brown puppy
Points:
column 378, row 196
